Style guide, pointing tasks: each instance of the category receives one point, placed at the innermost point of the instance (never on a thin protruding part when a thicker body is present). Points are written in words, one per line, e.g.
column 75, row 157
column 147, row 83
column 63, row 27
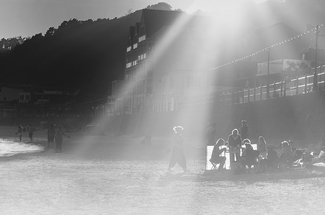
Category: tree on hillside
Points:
column 160, row 6
column 10, row 43
column 50, row 32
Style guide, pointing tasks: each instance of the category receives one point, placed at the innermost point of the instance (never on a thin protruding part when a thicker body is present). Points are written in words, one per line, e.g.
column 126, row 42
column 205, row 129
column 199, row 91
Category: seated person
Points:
column 319, row 158
column 306, row 159
column 286, row 157
column 297, row 154
column 250, row 156
column 216, row 157
column 261, row 147
column 271, row 157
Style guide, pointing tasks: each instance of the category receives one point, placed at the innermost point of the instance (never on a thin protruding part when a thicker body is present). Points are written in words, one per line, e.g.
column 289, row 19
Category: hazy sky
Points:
column 29, row 17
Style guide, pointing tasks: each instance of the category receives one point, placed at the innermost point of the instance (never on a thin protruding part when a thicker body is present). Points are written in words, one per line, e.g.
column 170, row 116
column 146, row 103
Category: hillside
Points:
column 85, row 55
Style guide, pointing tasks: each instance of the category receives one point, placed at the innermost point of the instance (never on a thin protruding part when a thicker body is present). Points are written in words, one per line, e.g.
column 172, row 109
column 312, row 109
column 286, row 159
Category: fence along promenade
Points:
column 287, row 87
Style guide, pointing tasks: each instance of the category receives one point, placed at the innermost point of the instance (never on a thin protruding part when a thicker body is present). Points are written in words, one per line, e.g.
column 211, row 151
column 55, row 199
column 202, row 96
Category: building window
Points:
column 128, row 49
column 142, row 38
column 135, row 46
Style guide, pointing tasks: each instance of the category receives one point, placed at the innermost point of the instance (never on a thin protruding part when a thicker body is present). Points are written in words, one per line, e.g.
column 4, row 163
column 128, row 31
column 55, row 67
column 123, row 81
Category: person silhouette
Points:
column 178, row 150
column 244, row 130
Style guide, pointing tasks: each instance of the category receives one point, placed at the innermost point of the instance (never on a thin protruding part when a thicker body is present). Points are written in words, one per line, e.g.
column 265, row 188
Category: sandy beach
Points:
column 117, row 175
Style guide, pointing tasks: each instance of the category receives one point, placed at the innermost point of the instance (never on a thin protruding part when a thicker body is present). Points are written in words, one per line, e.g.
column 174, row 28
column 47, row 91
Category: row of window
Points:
column 142, row 38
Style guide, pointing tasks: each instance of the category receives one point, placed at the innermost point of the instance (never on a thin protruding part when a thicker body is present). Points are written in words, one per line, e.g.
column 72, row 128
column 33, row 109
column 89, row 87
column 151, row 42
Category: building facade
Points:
column 166, row 61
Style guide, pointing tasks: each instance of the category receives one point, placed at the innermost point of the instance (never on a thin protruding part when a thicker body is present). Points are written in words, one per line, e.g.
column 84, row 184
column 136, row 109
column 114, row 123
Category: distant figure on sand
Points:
column 50, row 136
column 31, row 130
column 177, row 151
column 244, row 130
column 216, row 157
column 59, row 139
column 20, row 132
column 211, row 134
column 146, row 139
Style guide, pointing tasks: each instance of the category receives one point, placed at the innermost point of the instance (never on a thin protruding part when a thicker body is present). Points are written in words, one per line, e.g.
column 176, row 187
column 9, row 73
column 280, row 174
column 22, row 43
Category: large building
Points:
column 167, row 58
column 171, row 56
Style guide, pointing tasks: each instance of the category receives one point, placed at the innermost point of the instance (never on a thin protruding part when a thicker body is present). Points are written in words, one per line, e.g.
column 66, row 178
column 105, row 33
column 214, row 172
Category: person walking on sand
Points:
column 20, row 132
column 59, row 139
column 31, row 130
column 178, row 150
column 50, row 136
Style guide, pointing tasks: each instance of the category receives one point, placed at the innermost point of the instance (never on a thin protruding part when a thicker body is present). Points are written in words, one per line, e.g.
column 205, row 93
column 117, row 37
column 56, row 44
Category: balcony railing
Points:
column 291, row 87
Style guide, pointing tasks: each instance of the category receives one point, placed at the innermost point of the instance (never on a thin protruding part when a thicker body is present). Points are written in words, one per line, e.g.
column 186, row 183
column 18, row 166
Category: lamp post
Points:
column 268, row 73
column 315, row 81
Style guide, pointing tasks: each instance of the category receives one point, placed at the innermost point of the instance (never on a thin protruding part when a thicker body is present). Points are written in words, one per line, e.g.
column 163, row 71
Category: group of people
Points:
column 240, row 149
column 264, row 157
column 242, row 154
column 54, row 135
column 30, row 128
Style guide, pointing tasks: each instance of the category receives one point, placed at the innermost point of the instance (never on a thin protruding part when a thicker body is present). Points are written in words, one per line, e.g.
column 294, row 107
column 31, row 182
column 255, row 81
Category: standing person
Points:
column 20, row 132
column 31, row 130
column 211, row 134
column 234, row 142
column 59, row 139
column 244, row 130
column 216, row 157
column 50, row 136
column 178, row 150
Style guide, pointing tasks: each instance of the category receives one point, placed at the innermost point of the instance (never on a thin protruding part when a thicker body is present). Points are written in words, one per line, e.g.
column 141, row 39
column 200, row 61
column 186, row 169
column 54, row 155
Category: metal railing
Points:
column 291, row 87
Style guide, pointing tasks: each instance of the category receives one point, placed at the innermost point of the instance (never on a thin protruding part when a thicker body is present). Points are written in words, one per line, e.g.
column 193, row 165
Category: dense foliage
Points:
column 85, row 55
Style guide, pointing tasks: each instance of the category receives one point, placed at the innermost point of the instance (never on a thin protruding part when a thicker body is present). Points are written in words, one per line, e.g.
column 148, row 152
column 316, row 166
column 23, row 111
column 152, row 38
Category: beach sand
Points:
column 117, row 175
